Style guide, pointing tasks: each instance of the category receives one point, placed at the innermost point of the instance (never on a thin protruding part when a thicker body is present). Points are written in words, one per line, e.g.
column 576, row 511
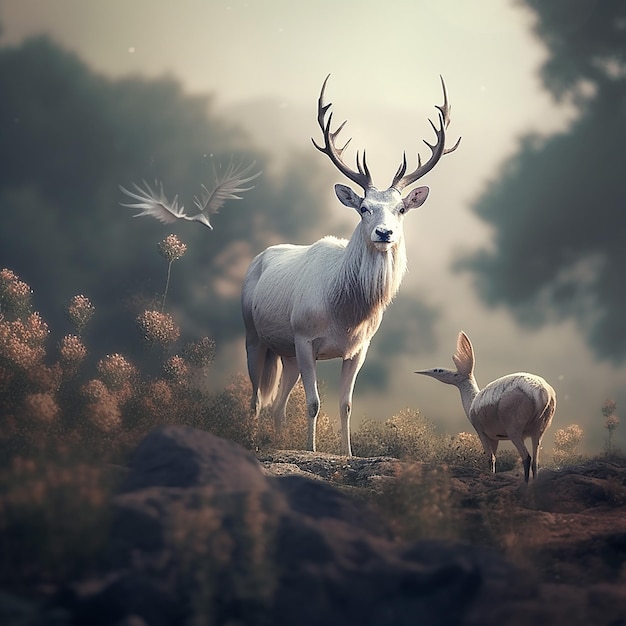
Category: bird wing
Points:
column 227, row 186
column 154, row 204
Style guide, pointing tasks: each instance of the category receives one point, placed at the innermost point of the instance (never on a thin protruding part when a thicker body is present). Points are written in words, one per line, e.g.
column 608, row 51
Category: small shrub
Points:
column 175, row 370
column 157, row 328
column 227, row 413
column 115, row 371
column 172, row 249
column 15, row 295
column 79, row 312
column 53, row 519
column 464, row 450
column 72, row 352
column 22, row 341
column 566, row 442
column 223, row 556
column 419, row 503
column 200, row 353
column 407, row 436
column 611, row 422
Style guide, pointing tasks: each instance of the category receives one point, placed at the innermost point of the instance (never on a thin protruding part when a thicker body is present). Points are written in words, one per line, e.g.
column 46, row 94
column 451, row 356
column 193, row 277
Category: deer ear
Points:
column 464, row 355
column 348, row 197
column 416, row 198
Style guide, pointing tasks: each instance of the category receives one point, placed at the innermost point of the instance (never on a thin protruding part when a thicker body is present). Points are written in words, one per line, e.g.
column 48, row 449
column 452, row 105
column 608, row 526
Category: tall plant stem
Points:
column 167, row 284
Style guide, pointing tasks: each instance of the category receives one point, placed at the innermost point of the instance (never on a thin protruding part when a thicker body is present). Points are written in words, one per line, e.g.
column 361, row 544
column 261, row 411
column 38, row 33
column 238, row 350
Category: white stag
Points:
column 513, row 407
column 326, row 300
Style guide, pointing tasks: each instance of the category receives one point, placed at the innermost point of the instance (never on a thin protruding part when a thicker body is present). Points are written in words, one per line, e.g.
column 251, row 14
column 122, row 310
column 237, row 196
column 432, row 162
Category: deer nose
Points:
column 384, row 233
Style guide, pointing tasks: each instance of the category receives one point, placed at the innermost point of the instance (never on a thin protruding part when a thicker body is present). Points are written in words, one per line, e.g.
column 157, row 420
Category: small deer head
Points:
column 464, row 360
column 382, row 212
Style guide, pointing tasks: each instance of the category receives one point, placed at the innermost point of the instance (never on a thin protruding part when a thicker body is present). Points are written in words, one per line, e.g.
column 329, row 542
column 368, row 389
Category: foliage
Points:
column 611, row 422
column 66, row 427
column 418, row 503
column 571, row 255
column 63, row 430
column 566, row 442
column 172, row 249
column 407, row 435
column 69, row 137
column 222, row 554
column 54, row 518
column 410, row 436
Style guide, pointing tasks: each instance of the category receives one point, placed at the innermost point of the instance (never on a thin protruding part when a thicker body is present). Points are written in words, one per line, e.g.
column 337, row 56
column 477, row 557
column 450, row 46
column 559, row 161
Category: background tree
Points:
column 69, row 137
column 558, row 207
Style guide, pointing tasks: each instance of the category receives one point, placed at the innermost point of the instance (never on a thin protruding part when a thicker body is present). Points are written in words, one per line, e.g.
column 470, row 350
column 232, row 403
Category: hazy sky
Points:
column 385, row 59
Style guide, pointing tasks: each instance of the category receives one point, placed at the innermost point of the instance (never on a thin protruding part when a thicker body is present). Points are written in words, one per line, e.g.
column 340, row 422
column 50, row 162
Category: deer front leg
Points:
column 349, row 371
column 306, row 365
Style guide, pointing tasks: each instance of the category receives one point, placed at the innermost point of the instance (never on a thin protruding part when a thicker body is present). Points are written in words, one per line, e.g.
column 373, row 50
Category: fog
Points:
column 263, row 64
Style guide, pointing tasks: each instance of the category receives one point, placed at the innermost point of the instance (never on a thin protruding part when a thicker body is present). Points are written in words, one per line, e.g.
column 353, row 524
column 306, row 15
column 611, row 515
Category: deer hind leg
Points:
column 306, row 365
column 515, row 410
column 536, row 440
column 349, row 371
column 544, row 419
column 518, row 442
column 256, row 360
column 289, row 378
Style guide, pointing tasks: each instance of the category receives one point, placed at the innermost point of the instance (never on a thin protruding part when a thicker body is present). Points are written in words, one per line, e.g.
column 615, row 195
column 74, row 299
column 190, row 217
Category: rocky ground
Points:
column 204, row 532
column 566, row 530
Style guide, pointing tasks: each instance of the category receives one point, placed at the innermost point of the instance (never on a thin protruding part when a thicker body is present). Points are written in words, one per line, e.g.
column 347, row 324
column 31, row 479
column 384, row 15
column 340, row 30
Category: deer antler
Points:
column 361, row 177
column 401, row 180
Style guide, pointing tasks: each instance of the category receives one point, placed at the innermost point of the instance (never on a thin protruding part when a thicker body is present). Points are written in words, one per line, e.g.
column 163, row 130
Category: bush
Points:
column 54, row 518
column 566, row 442
column 419, row 503
column 407, row 436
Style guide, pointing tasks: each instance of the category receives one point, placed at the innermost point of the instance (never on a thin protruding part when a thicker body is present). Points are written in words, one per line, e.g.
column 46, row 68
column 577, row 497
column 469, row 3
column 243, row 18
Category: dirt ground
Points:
column 566, row 530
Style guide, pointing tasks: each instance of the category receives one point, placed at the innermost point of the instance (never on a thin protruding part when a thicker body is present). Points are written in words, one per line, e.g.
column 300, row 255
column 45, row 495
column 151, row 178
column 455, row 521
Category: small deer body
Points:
column 326, row 300
column 513, row 407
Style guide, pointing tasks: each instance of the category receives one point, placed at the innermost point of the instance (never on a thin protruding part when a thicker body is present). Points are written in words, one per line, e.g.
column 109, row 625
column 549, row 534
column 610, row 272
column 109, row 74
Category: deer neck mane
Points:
column 366, row 280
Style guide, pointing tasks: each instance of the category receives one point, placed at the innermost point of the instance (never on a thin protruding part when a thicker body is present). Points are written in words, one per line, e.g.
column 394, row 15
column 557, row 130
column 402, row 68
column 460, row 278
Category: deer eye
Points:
column 364, row 209
column 402, row 210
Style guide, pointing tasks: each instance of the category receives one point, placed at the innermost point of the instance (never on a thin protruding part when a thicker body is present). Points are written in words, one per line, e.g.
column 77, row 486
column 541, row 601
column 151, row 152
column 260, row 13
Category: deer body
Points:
column 326, row 300
column 514, row 407
column 278, row 319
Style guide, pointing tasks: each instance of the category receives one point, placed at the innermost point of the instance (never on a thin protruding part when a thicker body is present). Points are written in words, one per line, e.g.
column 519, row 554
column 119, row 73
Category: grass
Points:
column 65, row 429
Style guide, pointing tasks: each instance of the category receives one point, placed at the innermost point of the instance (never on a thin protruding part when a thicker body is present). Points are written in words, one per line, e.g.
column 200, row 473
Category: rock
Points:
column 576, row 489
column 200, row 530
column 180, row 456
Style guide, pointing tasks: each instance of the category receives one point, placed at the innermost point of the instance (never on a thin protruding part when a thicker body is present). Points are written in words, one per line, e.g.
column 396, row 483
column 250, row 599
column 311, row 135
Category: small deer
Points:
column 326, row 300
column 513, row 407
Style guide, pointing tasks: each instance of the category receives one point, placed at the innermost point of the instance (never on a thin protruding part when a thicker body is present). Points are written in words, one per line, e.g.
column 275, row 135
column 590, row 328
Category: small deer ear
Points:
column 464, row 355
column 416, row 198
column 348, row 197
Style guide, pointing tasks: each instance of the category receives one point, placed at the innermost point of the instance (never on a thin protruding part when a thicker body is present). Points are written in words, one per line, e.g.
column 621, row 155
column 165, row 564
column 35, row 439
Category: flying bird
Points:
column 227, row 185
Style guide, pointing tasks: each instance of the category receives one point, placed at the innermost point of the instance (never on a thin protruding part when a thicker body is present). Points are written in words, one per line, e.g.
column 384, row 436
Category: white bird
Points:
column 227, row 186
column 512, row 407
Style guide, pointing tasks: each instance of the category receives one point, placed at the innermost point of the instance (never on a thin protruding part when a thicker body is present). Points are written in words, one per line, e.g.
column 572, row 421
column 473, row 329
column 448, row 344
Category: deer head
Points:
column 382, row 212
